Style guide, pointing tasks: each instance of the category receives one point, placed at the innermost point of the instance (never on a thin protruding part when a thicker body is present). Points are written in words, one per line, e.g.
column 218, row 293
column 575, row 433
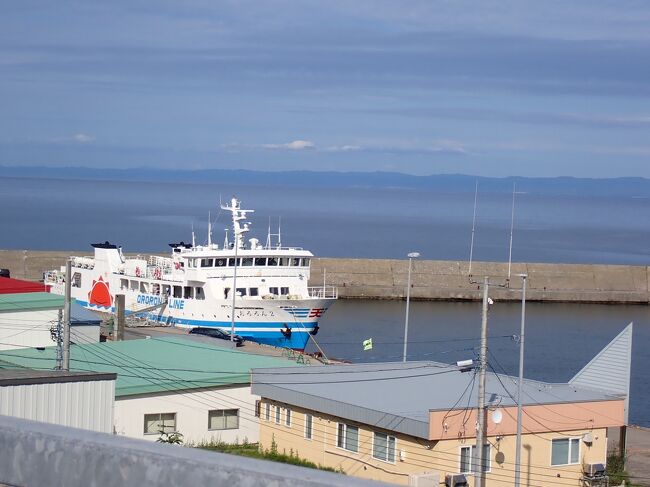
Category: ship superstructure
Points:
column 266, row 285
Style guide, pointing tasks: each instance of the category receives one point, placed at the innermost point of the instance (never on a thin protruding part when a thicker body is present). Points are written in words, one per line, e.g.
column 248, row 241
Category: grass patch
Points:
column 255, row 450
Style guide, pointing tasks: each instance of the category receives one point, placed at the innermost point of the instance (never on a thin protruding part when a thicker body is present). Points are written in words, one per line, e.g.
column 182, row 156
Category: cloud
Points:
column 82, row 138
column 293, row 145
column 343, row 148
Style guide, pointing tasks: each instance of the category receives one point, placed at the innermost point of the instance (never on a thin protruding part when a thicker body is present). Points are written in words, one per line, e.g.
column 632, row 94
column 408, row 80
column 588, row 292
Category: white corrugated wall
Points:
column 87, row 405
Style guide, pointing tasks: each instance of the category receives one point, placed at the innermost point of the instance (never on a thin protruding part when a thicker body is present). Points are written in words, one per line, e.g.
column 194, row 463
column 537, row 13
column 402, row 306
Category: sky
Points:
column 489, row 87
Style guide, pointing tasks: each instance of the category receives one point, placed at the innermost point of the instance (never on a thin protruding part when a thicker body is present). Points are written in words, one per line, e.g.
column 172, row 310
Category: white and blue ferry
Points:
column 265, row 285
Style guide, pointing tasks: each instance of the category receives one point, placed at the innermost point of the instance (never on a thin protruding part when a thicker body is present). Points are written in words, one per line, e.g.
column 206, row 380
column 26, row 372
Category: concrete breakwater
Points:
column 450, row 280
column 431, row 279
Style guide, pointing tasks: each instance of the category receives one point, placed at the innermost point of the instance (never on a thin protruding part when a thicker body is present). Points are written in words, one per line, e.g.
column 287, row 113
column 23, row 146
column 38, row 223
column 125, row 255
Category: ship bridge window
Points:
column 231, row 261
column 295, row 261
column 284, row 291
column 220, row 262
column 226, row 291
column 155, row 289
column 273, row 290
column 135, row 285
column 253, row 291
column 199, row 293
column 272, row 261
column 260, row 261
column 305, row 262
column 206, row 262
column 144, row 287
column 124, row 284
column 191, row 263
column 167, row 290
column 178, row 292
column 76, row 279
column 188, row 292
column 241, row 291
column 284, row 261
column 247, row 261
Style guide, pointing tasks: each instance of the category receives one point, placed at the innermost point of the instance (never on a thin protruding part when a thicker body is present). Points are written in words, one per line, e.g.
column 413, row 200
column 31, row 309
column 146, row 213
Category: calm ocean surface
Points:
column 379, row 223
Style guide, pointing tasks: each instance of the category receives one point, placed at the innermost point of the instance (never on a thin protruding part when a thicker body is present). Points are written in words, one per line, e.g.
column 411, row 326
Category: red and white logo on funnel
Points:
column 100, row 295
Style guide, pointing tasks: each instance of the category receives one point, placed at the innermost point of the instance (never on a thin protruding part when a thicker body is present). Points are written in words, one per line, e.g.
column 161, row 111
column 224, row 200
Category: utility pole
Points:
column 66, row 315
column 59, row 341
column 521, row 380
column 120, row 306
column 478, row 459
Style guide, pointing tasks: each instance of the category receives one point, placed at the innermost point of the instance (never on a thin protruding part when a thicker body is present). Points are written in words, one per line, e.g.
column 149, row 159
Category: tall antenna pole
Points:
column 471, row 246
column 66, row 314
column 478, row 459
column 520, row 382
column 512, row 226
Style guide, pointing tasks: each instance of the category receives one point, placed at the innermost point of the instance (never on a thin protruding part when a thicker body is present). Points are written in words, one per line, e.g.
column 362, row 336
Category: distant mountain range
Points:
column 629, row 186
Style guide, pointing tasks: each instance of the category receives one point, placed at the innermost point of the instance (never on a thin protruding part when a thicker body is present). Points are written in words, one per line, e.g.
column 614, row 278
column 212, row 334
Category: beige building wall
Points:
column 418, row 456
column 191, row 409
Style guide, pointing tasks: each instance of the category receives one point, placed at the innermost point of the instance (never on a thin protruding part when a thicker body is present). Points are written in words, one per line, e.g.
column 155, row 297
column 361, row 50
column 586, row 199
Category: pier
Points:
column 431, row 280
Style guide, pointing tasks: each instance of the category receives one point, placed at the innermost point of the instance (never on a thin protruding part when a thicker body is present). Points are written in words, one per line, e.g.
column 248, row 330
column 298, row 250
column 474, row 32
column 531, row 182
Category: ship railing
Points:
column 83, row 262
column 324, row 292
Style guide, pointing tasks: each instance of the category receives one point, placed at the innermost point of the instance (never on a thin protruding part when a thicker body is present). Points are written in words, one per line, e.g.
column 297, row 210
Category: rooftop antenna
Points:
column 471, row 246
column 209, row 230
column 512, row 225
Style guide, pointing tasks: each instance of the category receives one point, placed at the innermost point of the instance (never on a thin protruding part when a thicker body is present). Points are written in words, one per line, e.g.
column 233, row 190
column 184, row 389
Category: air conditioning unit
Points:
column 424, row 480
column 455, row 480
column 594, row 469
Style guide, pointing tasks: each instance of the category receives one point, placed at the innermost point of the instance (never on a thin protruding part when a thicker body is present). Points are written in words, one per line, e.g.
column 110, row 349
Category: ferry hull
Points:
column 266, row 332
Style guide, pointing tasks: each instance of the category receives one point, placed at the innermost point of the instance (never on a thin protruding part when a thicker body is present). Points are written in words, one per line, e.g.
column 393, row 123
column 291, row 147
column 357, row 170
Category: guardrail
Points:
column 325, row 292
column 39, row 454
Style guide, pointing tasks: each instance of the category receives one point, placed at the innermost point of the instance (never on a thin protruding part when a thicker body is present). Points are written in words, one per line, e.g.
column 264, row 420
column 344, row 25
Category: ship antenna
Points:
column 268, row 235
column 226, row 244
column 193, row 236
column 471, row 246
column 209, row 230
column 279, row 232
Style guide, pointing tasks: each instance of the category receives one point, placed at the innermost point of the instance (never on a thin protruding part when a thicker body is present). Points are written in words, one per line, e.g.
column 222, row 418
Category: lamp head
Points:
column 413, row 255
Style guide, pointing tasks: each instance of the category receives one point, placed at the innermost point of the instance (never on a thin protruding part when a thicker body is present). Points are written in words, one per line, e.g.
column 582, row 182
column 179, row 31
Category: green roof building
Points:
column 171, row 384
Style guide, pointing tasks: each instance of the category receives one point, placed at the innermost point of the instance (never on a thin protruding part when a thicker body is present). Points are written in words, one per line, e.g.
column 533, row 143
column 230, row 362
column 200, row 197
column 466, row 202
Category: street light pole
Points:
column 234, row 293
column 411, row 256
column 519, row 383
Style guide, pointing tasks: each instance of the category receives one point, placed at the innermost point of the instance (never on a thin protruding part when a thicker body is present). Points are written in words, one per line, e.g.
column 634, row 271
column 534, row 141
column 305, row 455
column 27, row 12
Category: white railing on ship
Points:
column 325, row 292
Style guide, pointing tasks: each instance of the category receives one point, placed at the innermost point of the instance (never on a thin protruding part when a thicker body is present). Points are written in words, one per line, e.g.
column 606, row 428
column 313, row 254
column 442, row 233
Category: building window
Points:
column 383, row 447
column 267, row 412
column 258, row 409
column 565, row 451
column 223, row 419
column 155, row 424
column 309, row 423
column 348, row 437
column 287, row 417
column 466, row 454
column 277, row 414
